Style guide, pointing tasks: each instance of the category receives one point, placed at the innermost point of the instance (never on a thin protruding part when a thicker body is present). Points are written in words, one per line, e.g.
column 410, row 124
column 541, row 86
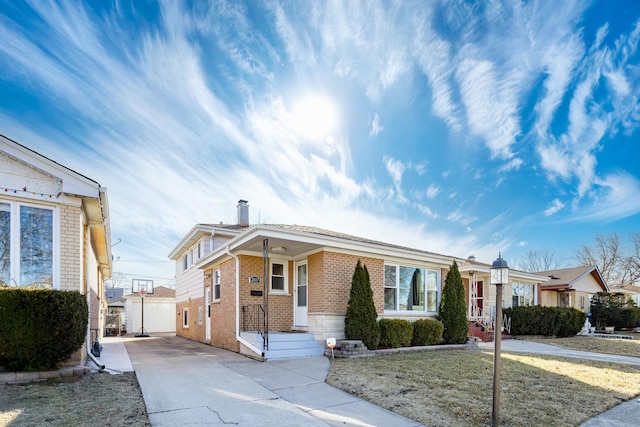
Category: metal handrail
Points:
column 255, row 319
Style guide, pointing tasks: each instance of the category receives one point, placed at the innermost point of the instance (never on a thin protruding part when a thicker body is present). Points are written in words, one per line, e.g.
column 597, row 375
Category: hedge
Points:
column 614, row 309
column 40, row 328
column 395, row 333
column 547, row 321
column 427, row 332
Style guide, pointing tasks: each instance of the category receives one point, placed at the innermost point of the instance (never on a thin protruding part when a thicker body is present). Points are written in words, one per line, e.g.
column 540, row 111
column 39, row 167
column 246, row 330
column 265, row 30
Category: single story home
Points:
column 222, row 297
column 572, row 287
column 54, row 229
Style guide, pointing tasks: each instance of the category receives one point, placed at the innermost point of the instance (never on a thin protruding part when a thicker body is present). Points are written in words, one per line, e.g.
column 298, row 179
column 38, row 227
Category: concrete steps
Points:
column 287, row 345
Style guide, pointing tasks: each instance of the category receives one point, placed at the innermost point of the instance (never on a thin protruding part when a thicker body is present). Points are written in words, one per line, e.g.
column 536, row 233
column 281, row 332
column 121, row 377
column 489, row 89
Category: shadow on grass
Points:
column 454, row 388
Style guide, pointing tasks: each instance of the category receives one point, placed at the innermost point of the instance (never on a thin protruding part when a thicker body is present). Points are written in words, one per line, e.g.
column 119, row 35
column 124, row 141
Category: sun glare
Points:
column 315, row 117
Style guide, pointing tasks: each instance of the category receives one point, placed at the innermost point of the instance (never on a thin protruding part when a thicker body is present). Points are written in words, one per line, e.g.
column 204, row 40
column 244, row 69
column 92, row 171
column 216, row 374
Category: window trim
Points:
column 426, row 270
column 15, row 237
column 216, row 285
column 285, row 267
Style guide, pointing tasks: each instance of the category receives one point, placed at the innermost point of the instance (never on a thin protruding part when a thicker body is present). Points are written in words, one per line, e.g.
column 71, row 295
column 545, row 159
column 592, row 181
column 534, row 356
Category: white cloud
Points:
column 615, row 197
column 461, row 217
column 433, row 191
column 555, row 207
column 376, row 127
column 522, row 243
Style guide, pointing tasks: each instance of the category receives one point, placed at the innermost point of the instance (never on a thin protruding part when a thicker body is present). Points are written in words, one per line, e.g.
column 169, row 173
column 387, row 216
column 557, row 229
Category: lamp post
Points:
column 499, row 276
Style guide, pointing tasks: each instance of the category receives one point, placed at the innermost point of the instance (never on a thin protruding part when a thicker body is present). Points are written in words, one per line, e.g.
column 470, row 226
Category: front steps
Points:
column 287, row 345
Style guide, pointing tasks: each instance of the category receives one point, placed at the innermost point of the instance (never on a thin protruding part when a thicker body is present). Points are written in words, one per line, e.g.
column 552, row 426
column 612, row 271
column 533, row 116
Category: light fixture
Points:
column 499, row 277
column 278, row 249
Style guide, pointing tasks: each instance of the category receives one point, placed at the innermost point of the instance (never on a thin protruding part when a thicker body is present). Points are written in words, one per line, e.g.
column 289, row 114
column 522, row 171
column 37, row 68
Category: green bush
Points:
column 614, row 309
column 40, row 328
column 395, row 333
column 361, row 321
column 427, row 332
column 453, row 308
column 547, row 321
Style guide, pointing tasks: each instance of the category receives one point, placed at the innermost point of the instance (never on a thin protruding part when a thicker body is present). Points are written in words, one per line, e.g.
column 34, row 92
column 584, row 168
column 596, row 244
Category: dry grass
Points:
column 90, row 400
column 454, row 387
column 621, row 347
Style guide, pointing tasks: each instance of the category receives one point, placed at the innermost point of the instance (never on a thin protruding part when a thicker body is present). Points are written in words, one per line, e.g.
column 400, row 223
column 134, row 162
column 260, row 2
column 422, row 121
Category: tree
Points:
column 619, row 266
column 361, row 321
column 540, row 260
column 453, row 309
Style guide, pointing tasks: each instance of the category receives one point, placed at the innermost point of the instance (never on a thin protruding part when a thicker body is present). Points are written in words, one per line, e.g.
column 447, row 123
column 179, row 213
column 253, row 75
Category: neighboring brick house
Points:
column 572, row 287
column 54, row 228
column 221, row 295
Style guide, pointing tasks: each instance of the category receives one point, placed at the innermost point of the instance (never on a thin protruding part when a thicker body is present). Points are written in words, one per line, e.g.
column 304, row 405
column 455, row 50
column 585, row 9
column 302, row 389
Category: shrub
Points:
column 361, row 322
column 614, row 309
column 40, row 328
column 427, row 332
column 547, row 321
column 395, row 333
column 453, row 308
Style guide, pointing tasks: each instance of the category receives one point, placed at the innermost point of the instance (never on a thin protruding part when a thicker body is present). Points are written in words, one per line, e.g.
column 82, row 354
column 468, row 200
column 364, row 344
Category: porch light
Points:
column 278, row 249
column 499, row 277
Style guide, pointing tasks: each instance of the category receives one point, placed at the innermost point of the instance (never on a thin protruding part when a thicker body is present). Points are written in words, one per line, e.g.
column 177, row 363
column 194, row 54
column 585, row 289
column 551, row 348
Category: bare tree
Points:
column 540, row 260
column 619, row 267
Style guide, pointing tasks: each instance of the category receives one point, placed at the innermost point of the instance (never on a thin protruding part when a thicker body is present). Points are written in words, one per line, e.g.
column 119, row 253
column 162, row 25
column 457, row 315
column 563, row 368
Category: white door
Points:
column 300, row 297
column 207, row 316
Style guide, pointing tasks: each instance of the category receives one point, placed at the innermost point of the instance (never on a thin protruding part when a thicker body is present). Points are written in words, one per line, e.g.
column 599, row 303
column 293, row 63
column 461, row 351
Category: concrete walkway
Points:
column 186, row 382
column 626, row 414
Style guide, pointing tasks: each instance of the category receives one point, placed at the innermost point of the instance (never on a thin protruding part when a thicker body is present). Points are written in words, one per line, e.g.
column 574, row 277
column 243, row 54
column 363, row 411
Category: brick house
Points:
column 54, row 229
column 223, row 299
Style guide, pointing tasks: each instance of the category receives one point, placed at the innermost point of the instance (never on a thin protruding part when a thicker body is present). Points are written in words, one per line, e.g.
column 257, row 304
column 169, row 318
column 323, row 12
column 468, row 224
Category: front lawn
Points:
column 454, row 387
column 621, row 347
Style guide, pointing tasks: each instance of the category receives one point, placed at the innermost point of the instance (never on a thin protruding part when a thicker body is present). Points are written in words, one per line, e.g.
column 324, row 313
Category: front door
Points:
column 207, row 317
column 300, row 298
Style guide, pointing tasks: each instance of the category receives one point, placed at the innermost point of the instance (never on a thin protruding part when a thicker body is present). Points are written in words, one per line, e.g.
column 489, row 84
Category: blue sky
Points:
column 450, row 126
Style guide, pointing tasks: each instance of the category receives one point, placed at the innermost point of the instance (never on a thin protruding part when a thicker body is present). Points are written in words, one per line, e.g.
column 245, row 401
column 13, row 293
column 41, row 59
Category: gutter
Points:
column 246, row 343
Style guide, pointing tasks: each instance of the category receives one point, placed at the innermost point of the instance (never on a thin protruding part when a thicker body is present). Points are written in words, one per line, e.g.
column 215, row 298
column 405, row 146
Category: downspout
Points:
column 91, row 356
column 238, row 337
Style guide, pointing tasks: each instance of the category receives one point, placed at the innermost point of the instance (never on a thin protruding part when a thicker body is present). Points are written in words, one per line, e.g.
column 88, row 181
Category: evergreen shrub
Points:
column 395, row 333
column 546, row 321
column 614, row 309
column 453, row 308
column 39, row 328
column 427, row 332
column 361, row 321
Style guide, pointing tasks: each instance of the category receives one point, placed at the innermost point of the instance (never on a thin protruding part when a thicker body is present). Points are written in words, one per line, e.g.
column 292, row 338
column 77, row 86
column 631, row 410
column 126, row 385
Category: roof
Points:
column 199, row 230
column 114, row 295
column 158, row 292
column 565, row 278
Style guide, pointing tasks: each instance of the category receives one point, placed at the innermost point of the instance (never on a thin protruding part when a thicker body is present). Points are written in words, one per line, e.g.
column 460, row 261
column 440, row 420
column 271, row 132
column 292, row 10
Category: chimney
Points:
column 471, row 258
column 243, row 213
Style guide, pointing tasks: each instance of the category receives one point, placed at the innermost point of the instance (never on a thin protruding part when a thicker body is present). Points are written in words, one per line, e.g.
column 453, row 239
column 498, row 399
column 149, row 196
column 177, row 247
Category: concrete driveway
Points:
column 186, row 382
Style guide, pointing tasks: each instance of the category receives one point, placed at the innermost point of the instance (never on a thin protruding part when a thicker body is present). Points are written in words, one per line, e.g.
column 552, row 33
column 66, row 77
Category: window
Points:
column 185, row 318
column 27, row 246
column 410, row 289
column 523, row 294
column 278, row 277
column 216, row 285
column 185, row 262
column 199, row 250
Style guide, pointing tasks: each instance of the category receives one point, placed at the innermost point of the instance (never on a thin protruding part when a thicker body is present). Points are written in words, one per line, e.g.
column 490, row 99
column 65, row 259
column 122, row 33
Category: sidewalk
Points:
column 187, row 382
column 626, row 414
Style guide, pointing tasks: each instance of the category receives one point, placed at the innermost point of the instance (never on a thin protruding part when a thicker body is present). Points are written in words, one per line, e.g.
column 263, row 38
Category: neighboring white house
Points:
column 159, row 311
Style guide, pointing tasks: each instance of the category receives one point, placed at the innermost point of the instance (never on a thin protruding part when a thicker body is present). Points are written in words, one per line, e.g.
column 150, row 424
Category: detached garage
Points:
column 159, row 311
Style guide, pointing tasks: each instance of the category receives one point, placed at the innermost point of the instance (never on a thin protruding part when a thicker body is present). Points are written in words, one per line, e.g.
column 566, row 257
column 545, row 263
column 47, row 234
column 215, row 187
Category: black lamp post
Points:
column 499, row 277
